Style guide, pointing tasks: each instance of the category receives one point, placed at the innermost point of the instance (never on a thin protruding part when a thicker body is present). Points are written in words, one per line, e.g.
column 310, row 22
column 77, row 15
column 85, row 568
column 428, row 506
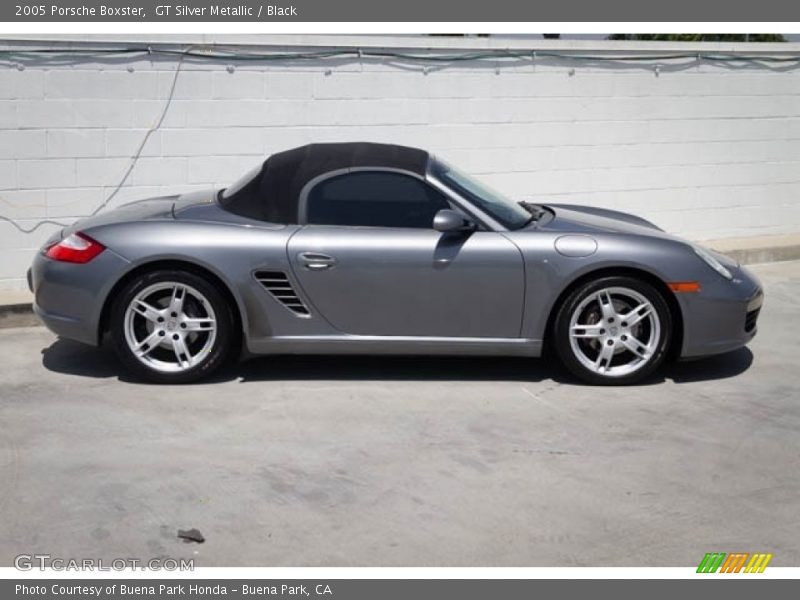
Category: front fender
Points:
column 550, row 276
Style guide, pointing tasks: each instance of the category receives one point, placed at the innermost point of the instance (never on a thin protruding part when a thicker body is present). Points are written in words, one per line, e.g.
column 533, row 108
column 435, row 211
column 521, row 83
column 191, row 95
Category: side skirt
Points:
column 398, row 345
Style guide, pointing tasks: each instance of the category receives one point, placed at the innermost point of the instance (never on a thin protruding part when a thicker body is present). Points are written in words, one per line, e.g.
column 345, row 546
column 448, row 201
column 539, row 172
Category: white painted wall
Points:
column 704, row 150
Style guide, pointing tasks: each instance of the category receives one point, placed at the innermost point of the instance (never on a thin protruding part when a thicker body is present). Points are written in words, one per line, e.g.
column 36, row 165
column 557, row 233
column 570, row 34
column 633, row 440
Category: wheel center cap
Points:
column 170, row 325
column 614, row 331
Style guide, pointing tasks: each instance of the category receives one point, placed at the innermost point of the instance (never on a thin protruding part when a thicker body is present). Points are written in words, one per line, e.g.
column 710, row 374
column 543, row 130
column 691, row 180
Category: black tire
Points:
column 214, row 357
column 564, row 345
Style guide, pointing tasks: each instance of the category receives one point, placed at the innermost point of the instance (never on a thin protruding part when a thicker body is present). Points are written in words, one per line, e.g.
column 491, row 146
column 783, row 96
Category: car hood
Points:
column 589, row 219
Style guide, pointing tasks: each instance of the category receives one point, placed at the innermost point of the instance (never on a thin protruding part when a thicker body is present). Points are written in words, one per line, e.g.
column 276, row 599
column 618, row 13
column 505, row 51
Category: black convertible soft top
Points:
column 273, row 194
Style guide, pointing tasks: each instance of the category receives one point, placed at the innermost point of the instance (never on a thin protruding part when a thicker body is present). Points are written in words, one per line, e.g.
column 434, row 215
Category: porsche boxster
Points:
column 367, row 248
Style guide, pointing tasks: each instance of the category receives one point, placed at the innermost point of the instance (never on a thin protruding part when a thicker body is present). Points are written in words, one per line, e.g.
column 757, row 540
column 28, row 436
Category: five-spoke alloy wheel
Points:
column 171, row 326
column 613, row 330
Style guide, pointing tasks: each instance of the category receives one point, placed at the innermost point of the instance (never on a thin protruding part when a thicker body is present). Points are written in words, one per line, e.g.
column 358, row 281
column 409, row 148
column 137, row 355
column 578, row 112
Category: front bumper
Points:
column 722, row 316
column 69, row 298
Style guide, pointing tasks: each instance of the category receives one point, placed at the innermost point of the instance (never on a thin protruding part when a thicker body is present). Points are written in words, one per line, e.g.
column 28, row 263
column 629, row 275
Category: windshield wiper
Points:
column 536, row 210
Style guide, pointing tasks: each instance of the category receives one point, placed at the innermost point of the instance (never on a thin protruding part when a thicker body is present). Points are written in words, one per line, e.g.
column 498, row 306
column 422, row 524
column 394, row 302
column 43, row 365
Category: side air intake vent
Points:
column 750, row 320
column 277, row 283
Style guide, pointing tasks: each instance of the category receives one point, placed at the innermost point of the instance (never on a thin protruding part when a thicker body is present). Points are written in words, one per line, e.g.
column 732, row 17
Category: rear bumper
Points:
column 68, row 298
column 723, row 316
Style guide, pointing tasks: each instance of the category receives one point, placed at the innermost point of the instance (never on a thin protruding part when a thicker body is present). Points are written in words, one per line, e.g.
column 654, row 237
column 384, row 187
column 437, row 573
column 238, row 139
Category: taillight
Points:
column 75, row 248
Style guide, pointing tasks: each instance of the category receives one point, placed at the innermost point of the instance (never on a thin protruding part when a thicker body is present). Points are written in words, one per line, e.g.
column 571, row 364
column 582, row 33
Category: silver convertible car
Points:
column 369, row 248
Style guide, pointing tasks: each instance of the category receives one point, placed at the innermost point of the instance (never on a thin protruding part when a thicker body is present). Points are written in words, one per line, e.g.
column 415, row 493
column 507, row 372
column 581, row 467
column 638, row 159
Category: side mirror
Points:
column 448, row 221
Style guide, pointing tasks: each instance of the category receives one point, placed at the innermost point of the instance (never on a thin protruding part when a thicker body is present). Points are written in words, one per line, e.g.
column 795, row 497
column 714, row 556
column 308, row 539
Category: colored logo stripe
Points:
column 758, row 563
column 711, row 562
column 734, row 562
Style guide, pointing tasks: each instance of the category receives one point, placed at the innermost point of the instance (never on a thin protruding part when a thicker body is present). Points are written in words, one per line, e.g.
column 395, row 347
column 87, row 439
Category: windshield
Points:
column 504, row 210
column 241, row 182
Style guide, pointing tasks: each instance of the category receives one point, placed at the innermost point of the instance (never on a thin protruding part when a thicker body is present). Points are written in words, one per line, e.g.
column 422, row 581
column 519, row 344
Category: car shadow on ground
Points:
column 72, row 358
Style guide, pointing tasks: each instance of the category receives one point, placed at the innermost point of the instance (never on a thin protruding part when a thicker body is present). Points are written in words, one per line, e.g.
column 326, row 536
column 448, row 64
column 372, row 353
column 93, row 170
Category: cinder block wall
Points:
column 704, row 149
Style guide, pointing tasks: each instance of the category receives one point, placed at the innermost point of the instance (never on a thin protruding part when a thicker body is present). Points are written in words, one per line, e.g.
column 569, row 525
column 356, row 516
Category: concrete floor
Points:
column 384, row 461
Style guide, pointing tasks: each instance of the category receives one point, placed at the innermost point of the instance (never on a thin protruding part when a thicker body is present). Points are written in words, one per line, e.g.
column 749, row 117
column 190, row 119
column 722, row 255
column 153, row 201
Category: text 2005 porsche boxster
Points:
column 373, row 248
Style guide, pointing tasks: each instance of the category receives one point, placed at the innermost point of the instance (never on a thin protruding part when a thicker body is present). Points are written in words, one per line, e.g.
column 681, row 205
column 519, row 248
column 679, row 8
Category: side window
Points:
column 374, row 199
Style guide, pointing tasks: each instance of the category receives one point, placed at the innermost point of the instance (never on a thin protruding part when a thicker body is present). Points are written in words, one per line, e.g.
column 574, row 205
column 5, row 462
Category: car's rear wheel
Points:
column 171, row 326
column 613, row 330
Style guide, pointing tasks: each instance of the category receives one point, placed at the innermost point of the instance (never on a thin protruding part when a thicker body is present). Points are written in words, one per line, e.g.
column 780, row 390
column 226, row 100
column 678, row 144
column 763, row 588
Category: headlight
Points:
column 713, row 262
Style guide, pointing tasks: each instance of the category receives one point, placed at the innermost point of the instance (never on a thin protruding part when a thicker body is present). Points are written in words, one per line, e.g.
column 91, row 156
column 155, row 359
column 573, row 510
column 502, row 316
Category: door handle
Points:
column 316, row 261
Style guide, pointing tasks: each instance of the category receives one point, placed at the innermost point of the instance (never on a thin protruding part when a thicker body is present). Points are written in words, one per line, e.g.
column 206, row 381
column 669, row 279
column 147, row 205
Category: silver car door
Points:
column 411, row 281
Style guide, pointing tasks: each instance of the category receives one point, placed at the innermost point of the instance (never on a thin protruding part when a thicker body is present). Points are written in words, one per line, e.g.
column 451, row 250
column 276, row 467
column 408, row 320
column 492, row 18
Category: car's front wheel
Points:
column 171, row 326
column 613, row 330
